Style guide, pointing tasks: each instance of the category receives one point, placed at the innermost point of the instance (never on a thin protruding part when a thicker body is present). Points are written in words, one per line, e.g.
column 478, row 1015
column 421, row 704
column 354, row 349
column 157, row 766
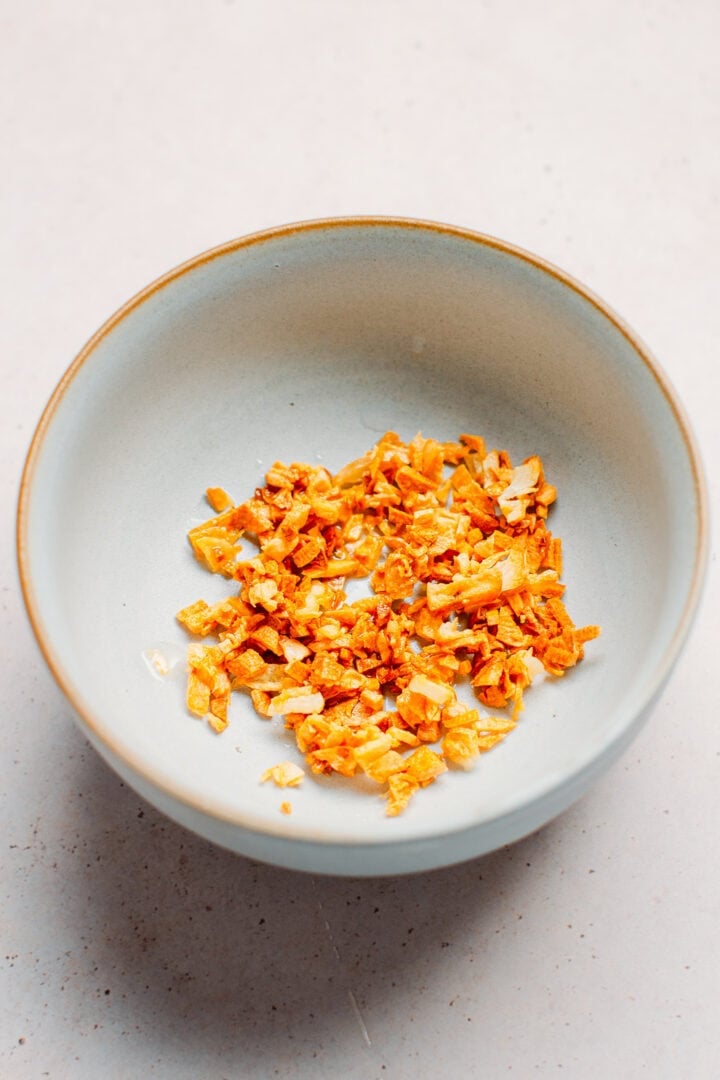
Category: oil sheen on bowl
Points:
column 306, row 343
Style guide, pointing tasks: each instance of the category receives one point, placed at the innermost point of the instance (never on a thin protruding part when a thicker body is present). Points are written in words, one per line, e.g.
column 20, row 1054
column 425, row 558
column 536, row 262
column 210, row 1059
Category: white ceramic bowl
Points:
column 306, row 343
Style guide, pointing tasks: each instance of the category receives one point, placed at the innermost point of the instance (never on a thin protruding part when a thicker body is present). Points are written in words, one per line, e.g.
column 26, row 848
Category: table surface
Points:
column 136, row 135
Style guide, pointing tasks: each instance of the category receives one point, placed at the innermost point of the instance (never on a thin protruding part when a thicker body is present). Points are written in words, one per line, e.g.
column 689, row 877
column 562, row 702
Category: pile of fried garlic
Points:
column 465, row 581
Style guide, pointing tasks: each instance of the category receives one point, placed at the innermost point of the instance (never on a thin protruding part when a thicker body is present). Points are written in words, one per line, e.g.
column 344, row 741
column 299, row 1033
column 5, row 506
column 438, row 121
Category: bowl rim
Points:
column 206, row 806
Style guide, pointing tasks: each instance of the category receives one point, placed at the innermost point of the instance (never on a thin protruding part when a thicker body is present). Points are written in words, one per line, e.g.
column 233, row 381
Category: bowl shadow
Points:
column 201, row 949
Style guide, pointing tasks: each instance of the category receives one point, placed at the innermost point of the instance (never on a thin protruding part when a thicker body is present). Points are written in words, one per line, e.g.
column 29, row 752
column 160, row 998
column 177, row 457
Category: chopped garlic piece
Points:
column 287, row 774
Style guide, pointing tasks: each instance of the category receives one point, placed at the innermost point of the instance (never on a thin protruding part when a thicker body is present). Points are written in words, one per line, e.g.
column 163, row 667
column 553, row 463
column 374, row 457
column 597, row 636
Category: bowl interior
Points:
column 306, row 345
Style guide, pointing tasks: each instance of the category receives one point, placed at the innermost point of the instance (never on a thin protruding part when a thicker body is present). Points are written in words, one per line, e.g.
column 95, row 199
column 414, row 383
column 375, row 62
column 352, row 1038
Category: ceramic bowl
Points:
column 306, row 343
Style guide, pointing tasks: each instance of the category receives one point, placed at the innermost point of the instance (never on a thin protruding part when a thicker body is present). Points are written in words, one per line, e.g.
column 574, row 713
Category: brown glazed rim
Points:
column 207, row 806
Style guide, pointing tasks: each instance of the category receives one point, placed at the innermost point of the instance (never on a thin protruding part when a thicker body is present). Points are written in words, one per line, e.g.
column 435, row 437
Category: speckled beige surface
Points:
column 132, row 948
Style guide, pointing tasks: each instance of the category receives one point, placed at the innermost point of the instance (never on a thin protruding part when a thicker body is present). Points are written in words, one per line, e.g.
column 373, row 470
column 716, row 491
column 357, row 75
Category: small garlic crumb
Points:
column 286, row 774
column 159, row 662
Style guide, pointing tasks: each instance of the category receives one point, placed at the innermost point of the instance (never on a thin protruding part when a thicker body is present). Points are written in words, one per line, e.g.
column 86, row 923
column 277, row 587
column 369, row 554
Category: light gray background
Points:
column 136, row 134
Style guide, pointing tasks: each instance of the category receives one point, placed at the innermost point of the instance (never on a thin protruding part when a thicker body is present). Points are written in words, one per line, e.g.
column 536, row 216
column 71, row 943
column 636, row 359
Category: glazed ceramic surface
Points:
column 306, row 344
